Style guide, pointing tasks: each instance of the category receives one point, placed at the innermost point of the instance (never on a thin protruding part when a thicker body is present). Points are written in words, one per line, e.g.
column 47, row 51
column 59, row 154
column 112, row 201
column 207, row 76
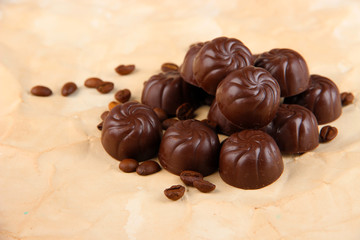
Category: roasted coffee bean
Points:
column 167, row 67
column 100, row 126
column 93, row 82
column 185, row 111
column 346, row 98
column 168, row 123
column 112, row 104
column 204, row 186
column 105, row 87
column 328, row 133
column 104, row 115
column 189, row 177
column 160, row 113
column 128, row 165
column 125, row 69
column 210, row 124
column 41, row 91
column 68, row 89
column 148, row 167
column 174, row 192
column 123, row 95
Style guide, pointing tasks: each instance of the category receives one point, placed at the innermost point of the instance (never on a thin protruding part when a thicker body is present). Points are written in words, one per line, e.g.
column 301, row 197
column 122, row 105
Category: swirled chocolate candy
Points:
column 223, row 124
column 250, row 159
column 189, row 145
column 218, row 58
column 294, row 129
column 288, row 67
column 131, row 130
column 167, row 91
column 249, row 97
column 186, row 68
column 322, row 98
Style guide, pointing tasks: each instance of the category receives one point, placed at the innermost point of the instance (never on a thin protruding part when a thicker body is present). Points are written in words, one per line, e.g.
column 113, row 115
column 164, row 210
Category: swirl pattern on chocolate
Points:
column 131, row 130
column 294, row 129
column 218, row 58
column 189, row 145
column 249, row 97
column 250, row 159
column 322, row 98
column 288, row 67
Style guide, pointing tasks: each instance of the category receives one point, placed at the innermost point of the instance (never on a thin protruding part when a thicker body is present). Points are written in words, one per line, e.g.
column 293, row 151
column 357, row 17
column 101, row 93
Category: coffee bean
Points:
column 113, row 104
column 204, row 186
column 174, row 192
column 167, row 67
column 211, row 124
column 185, row 111
column 189, row 177
column 104, row 115
column 100, row 126
column 160, row 113
column 125, row 69
column 346, row 98
column 123, row 95
column 41, row 91
column 68, row 89
column 168, row 123
column 128, row 165
column 105, row 87
column 148, row 167
column 93, row 82
column 328, row 133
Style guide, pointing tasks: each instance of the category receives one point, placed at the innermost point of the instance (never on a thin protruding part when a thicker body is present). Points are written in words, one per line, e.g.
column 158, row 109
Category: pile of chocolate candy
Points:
column 268, row 104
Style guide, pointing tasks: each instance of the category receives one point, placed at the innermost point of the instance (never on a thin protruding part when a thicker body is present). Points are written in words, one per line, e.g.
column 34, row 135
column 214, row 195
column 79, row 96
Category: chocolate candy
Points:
column 167, row 91
column 131, row 130
column 216, row 59
column 288, row 67
column 249, row 97
column 322, row 98
column 186, row 68
column 250, row 159
column 189, row 145
column 224, row 126
column 294, row 129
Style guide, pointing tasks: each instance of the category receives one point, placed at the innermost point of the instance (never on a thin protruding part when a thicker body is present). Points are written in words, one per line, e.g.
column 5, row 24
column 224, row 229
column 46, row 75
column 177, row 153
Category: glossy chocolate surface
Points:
column 294, row 129
column 288, row 67
column 167, row 91
column 250, row 159
column 249, row 97
column 189, row 145
column 131, row 130
column 224, row 126
column 216, row 59
column 322, row 98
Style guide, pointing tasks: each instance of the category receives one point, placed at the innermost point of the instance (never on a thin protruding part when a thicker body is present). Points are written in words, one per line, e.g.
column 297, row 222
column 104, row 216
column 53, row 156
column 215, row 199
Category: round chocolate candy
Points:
column 250, row 159
column 186, row 68
column 294, row 129
column 189, row 145
column 288, row 67
column 322, row 98
column 218, row 58
column 131, row 130
column 223, row 124
column 249, row 97
column 167, row 91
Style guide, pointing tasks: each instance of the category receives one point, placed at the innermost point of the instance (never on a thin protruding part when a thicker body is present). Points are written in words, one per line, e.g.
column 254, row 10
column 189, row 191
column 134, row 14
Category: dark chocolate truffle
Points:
column 186, row 68
column 167, row 91
column 250, row 159
column 189, row 145
column 249, row 97
column 224, row 126
column 294, row 129
column 322, row 98
column 218, row 58
column 131, row 130
column 288, row 67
